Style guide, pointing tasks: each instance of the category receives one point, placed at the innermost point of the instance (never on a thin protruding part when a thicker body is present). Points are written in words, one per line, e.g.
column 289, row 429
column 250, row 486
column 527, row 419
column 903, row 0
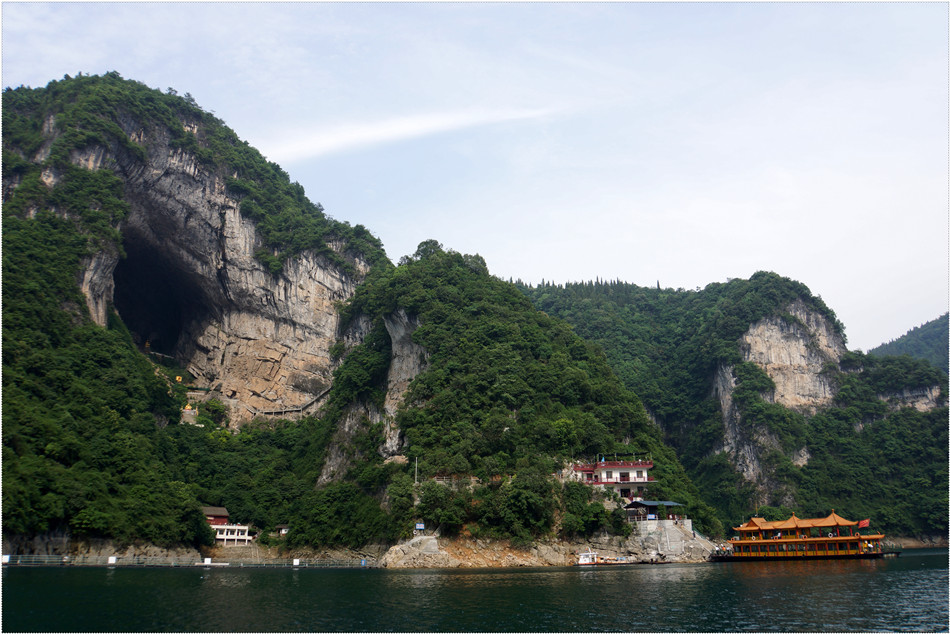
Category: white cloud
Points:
column 322, row 141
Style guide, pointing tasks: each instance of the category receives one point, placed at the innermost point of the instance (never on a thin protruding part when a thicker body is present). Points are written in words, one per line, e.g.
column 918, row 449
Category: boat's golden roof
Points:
column 761, row 524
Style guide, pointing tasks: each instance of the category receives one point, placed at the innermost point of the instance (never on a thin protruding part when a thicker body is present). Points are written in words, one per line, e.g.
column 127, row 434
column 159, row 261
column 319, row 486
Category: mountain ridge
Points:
column 929, row 341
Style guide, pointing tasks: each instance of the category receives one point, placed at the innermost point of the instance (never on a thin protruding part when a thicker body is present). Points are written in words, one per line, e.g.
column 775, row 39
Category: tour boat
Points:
column 831, row 537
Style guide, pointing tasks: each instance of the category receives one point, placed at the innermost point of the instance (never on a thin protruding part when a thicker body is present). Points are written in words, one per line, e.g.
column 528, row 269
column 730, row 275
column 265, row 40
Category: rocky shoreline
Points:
column 666, row 544
column 660, row 542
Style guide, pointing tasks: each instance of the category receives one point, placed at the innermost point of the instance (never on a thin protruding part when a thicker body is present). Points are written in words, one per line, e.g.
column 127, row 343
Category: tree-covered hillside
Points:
column 930, row 342
column 83, row 411
column 508, row 388
column 666, row 345
column 92, row 441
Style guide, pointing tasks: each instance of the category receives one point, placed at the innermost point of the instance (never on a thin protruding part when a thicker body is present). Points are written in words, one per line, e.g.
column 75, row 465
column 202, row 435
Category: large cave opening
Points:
column 156, row 296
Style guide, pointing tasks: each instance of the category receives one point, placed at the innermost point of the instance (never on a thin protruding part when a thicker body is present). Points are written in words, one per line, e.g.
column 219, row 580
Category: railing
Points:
column 644, row 518
column 614, row 464
column 174, row 562
column 289, row 409
column 618, row 480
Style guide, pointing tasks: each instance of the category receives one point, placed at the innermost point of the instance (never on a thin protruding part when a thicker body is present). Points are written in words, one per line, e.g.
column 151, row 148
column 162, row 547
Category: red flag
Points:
column 864, row 523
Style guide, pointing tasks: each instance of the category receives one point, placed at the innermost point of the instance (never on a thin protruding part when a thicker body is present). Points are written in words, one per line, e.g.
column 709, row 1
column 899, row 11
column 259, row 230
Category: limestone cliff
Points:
column 800, row 350
column 408, row 359
column 191, row 287
column 794, row 349
column 922, row 399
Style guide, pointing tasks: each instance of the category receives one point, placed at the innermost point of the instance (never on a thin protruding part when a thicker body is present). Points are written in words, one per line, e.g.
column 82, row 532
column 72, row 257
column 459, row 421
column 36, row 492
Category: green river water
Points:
column 909, row 593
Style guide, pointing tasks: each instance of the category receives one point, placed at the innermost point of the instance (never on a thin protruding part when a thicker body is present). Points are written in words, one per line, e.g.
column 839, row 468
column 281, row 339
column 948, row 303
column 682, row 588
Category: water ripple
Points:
column 905, row 594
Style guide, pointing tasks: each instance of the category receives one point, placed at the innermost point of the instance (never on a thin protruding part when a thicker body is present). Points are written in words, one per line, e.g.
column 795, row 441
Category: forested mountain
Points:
column 864, row 448
column 930, row 342
column 152, row 259
column 92, row 437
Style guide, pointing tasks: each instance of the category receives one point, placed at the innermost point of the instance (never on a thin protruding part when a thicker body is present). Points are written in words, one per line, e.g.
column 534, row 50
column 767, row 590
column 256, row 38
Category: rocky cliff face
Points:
column 801, row 352
column 794, row 350
column 922, row 399
column 191, row 288
column 407, row 361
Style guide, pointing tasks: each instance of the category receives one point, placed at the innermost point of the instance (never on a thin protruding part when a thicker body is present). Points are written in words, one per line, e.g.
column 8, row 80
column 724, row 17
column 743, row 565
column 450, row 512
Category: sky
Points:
column 677, row 144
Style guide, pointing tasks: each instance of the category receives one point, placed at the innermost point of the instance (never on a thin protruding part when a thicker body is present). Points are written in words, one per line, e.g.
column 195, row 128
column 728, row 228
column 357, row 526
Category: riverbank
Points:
column 933, row 541
column 655, row 542
column 651, row 542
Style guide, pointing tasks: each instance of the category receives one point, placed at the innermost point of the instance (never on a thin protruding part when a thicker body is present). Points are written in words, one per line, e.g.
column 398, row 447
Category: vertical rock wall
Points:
column 795, row 350
column 192, row 287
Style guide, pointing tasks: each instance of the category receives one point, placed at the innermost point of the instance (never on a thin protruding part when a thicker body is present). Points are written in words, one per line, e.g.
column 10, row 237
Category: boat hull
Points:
column 796, row 557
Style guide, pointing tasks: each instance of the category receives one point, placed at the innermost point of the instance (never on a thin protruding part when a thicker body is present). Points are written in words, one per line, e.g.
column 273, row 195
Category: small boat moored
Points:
column 590, row 558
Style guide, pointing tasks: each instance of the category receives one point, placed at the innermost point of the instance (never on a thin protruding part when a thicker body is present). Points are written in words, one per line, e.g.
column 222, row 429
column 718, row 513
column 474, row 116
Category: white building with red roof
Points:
column 628, row 478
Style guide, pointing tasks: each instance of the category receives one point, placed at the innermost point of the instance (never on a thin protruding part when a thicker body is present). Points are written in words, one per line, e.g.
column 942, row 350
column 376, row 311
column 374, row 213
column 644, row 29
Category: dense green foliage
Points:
column 505, row 381
column 930, row 342
column 82, row 409
column 507, row 389
column 666, row 346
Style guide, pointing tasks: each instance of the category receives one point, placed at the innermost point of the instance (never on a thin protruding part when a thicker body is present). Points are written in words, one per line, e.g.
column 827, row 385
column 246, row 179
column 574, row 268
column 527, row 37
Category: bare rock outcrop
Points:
column 923, row 399
column 62, row 543
column 407, row 360
column 191, row 287
column 795, row 349
column 801, row 351
column 661, row 541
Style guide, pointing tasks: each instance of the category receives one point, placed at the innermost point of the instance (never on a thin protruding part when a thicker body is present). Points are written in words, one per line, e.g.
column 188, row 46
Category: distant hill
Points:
column 928, row 341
